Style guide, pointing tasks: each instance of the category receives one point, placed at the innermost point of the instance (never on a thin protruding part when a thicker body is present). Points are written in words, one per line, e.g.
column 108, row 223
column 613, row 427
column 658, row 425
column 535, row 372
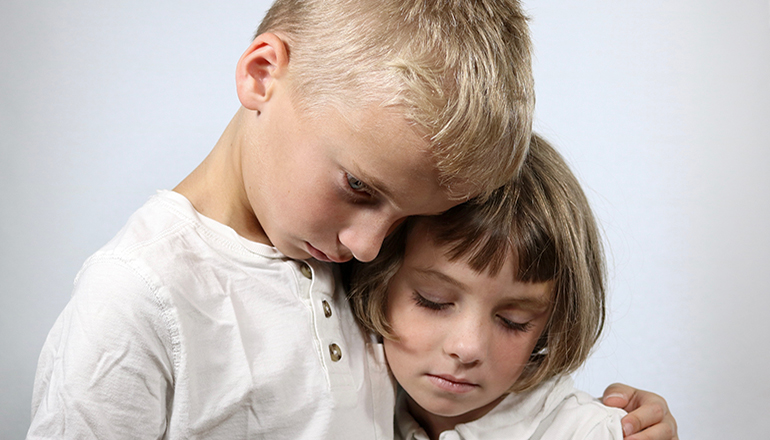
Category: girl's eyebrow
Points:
column 536, row 302
column 529, row 303
column 440, row 276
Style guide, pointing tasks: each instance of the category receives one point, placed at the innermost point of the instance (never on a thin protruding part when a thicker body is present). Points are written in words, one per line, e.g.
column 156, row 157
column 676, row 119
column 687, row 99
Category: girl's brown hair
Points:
column 544, row 220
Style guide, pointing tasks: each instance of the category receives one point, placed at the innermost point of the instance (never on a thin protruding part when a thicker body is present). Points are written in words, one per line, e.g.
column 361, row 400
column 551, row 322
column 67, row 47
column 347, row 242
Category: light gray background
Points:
column 662, row 107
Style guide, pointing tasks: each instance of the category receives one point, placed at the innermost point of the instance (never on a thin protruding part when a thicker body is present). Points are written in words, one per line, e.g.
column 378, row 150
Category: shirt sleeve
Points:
column 106, row 368
column 608, row 428
column 580, row 419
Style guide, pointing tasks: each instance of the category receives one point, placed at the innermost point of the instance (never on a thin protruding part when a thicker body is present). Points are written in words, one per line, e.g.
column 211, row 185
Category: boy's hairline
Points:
column 460, row 166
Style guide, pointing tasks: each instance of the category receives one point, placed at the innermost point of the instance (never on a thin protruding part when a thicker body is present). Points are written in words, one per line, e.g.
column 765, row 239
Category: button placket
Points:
column 328, row 328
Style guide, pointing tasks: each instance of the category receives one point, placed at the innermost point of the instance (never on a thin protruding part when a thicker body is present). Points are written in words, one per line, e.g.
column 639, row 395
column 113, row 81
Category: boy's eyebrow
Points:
column 375, row 183
column 380, row 186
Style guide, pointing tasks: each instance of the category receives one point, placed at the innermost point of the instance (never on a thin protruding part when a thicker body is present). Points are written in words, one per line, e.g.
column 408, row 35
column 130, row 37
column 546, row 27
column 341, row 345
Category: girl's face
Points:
column 464, row 336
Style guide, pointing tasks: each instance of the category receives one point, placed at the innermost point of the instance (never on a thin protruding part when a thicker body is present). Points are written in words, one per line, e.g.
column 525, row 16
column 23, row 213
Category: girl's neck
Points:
column 435, row 424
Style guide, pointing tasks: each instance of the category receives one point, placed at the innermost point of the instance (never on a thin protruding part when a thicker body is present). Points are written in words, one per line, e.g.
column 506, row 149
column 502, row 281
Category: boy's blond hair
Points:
column 460, row 70
column 543, row 219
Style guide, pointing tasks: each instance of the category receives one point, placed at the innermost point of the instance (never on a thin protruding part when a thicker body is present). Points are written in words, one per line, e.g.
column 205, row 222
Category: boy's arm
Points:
column 104, row 371
column 648, row 416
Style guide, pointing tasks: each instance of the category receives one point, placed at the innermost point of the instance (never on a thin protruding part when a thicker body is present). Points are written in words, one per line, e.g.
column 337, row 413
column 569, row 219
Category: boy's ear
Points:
column 265, row 61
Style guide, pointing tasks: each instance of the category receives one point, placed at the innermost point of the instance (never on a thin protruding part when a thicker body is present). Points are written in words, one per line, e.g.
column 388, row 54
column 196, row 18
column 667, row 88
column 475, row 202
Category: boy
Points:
column 215, row 312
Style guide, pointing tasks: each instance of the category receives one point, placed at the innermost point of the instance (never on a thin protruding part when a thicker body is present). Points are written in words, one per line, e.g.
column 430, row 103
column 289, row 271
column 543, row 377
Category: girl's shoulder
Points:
column 554, row 410
column 574, row 414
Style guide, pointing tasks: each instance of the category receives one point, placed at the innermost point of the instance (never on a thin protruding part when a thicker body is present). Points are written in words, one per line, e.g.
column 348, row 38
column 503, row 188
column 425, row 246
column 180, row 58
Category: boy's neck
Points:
column 215, row 188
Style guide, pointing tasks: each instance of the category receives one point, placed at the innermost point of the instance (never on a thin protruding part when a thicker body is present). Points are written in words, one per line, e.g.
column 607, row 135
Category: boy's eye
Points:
column 515, row 326
column 355, row 184
column 428, row 304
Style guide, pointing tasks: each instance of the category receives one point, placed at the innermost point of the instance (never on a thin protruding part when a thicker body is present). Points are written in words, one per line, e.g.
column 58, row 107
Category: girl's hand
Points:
column 648, row 416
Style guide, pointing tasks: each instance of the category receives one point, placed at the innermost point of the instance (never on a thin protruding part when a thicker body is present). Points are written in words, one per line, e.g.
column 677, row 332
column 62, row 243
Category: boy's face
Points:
column 332, row 187
column 464, row 337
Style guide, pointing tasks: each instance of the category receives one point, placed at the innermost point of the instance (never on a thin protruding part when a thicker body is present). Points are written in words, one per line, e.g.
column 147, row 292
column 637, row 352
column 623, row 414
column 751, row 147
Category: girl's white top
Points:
column 181, row 329
column 554, row 410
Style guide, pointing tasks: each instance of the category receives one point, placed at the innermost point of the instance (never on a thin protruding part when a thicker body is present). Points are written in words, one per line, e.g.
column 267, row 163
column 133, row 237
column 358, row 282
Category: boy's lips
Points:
column 452, row 384
column 320, row 256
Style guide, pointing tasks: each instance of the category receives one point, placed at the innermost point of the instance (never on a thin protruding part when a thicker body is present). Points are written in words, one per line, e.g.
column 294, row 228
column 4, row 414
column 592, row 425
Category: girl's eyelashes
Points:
column 428, row 304
column 509, row 325
column 515, row 326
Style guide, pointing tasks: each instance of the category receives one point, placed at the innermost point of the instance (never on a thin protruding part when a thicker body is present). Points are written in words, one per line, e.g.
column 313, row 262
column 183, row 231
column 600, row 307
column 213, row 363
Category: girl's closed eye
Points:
column 428, row 304
column 515, row 326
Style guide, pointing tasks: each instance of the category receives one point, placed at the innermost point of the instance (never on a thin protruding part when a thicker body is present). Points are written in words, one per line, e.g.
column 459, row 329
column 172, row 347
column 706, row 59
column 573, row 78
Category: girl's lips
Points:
column 452, row 384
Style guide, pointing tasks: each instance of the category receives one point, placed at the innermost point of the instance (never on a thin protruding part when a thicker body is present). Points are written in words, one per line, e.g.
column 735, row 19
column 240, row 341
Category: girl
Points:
column 486, row 309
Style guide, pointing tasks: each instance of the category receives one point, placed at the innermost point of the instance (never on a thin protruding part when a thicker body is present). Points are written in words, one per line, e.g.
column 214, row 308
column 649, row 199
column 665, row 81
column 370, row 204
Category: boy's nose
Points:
column 364, row 238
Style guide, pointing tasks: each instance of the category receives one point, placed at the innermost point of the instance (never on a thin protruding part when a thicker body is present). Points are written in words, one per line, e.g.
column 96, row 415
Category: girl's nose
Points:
column 467, row 341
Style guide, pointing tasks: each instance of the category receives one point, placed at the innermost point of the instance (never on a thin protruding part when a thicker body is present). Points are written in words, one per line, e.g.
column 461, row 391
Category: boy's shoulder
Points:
column 167, row 230
column 167, row 215
column 167, row 246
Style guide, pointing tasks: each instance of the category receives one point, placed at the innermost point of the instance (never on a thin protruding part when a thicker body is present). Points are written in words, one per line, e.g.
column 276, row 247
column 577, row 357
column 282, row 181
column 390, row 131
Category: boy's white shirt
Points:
column 180, row 328
column 554, row 410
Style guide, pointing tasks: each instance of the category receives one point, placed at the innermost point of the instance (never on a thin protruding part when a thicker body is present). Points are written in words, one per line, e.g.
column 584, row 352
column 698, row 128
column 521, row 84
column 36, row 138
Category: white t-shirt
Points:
column 554, row 410
column 180, row 328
